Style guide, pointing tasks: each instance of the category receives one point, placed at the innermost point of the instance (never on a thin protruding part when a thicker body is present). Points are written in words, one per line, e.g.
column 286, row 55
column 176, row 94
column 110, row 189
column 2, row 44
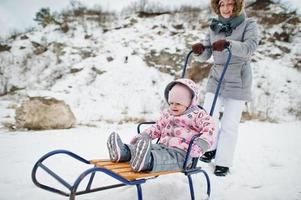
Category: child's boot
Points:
column 208, row 156
column 141, row 159
column 118, row 151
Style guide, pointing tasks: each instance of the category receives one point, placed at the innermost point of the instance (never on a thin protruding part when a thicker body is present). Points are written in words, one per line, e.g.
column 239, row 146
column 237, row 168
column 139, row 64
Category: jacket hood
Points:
column 189, row 84
column 238, row 6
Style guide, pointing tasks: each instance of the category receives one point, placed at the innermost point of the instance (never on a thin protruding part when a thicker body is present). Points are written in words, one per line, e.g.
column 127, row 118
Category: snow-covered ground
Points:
column 267, row 164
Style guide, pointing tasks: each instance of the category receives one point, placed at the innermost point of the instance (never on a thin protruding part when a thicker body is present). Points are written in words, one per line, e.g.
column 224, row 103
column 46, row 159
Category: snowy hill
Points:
column 113, row 67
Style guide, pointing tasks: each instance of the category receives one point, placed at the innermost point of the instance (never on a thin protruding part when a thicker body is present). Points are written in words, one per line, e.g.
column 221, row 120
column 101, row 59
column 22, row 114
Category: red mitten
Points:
column 220, row 45
column 198, row 48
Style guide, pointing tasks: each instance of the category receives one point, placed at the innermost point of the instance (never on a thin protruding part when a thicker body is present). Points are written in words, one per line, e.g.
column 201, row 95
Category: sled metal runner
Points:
column 121, row 172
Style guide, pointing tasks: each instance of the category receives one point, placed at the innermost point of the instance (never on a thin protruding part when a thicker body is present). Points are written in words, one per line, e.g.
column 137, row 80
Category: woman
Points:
column 233, row 30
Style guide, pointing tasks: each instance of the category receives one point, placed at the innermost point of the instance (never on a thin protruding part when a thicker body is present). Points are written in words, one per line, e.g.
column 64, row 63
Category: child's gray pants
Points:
column 167, row 158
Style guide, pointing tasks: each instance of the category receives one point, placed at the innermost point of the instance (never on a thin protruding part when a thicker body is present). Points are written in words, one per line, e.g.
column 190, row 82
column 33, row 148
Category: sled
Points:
column 121, row 172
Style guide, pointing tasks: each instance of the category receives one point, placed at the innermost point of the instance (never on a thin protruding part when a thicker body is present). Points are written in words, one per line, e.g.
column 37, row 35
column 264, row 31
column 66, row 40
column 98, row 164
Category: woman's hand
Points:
column 198, row 48
column 220, row 45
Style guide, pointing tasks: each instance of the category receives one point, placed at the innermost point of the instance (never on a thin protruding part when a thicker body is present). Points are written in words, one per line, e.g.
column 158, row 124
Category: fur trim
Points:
column 238, row 6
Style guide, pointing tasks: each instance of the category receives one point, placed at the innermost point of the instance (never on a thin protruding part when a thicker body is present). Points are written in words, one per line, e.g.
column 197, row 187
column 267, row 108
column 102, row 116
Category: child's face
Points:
column 176, row 109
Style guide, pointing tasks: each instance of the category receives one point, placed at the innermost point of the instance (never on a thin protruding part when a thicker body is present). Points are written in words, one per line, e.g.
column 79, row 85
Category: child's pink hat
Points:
column 181, row 94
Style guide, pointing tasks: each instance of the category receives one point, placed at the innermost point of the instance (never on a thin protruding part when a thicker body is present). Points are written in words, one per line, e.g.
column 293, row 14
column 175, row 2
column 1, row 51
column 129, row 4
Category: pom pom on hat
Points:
column 180, row 94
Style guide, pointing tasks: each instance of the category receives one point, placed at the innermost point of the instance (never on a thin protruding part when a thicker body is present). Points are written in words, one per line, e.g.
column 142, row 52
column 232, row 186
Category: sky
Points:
column 19, row 14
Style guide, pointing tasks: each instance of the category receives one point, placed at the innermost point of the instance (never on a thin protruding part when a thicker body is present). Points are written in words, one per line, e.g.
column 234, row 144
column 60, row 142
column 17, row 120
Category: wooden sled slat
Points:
column 127, row 169
column 124, row 170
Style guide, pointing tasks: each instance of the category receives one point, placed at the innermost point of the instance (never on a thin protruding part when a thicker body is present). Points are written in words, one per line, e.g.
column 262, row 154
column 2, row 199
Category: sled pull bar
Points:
column 188, row 152
column 186, row 61
column 220, row 81
column 185, row 64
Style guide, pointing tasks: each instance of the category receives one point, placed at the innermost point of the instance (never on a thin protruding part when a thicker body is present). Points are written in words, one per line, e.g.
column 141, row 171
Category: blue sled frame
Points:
column 90, row 173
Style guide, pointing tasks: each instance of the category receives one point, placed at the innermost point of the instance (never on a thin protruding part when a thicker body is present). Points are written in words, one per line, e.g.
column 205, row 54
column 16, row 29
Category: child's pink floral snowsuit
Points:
column 177, row 131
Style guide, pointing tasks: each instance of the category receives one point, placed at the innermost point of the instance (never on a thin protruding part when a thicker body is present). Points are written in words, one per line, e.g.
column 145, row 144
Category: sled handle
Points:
column 220, row 80
column 186, row 61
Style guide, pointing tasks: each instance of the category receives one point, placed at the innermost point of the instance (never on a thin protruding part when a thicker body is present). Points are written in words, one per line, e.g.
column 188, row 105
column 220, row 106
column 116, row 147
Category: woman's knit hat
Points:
column 181, row 94
column 238, row 6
